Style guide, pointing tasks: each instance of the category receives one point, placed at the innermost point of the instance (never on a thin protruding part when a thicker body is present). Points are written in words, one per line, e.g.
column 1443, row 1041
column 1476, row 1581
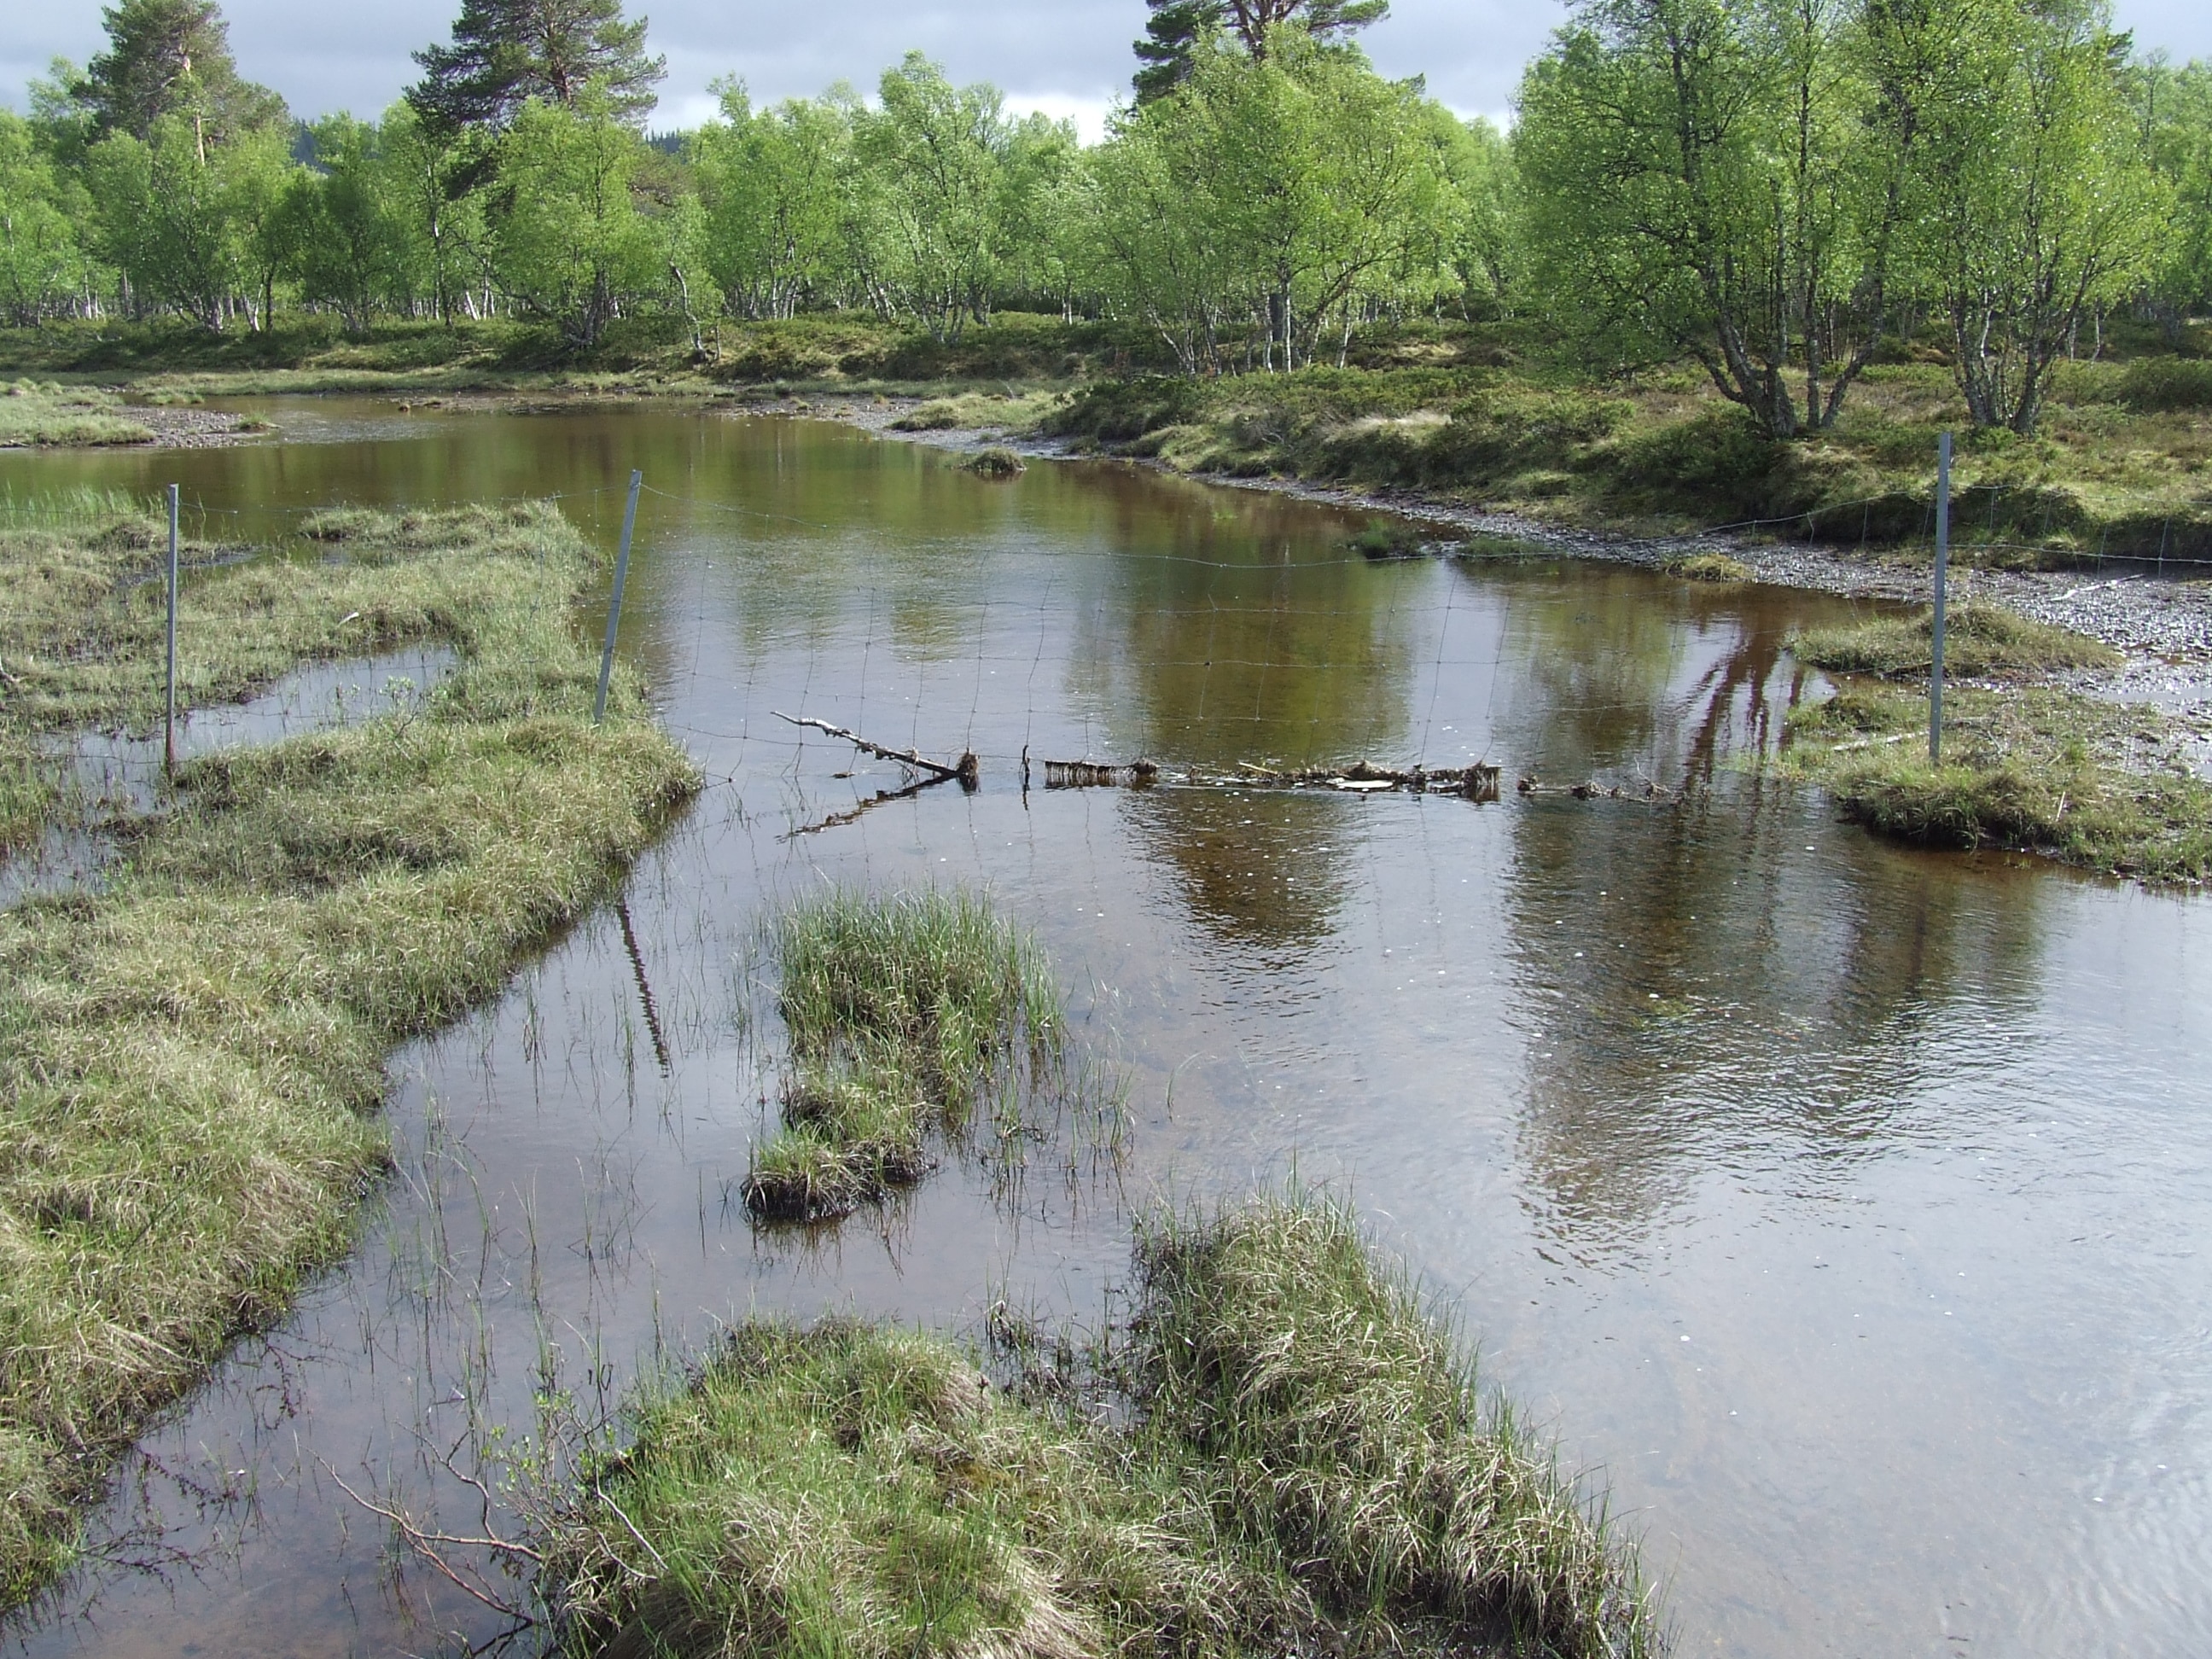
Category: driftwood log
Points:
column 965, row 770
column 1087, row 774
column 1477, row 782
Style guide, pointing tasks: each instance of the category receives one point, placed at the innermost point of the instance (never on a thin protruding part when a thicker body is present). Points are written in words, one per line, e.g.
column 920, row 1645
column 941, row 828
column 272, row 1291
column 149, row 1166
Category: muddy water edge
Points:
column 1844, row 1208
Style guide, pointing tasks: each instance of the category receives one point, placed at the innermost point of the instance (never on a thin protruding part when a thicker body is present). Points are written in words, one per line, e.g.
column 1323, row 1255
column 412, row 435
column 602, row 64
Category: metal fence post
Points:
column 169, row 706
column 1942, row 560
column 614, row 606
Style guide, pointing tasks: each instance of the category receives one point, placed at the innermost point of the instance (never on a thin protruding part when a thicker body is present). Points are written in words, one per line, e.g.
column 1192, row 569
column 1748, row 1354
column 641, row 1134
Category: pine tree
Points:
column 505, row 52
column 171, row 57
column 1174, row 27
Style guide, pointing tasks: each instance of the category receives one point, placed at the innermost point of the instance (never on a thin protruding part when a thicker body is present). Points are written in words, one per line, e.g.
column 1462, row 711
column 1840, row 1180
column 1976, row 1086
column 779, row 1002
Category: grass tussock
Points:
column 906, row 1016
column 1980, row 642
column 2086, row 781
column 996, row 462
column 36, row 413
column 1708, row 568
column 225, row 1006
column 1301, row 1462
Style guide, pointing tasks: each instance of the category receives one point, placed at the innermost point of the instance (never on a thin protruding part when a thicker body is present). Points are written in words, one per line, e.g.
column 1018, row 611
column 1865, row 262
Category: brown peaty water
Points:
column 1844, row 1209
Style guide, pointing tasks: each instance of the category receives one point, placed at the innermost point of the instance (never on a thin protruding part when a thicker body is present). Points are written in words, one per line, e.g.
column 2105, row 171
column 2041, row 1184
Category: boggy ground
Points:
column 1278, row 1453
column 190, row 1058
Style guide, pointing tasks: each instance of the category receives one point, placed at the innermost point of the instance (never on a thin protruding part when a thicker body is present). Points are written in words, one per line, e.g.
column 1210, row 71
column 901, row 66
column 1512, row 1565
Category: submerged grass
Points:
column 188, row 1060
column 1980, row 642
column 905, row 1016
column 2087, row 781
column 1299, row 1460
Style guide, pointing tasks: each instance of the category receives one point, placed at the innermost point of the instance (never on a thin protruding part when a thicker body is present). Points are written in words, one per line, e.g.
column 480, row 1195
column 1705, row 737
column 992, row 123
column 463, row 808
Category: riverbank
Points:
column 1277, row 1452
column 224, row 1005
column 2115, row 728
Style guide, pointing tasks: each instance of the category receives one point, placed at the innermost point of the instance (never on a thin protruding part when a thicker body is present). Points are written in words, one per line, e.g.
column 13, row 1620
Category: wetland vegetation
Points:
column 191, row 1057
column 1280, row 1450
column 908, row 1016
column 1282, row 1446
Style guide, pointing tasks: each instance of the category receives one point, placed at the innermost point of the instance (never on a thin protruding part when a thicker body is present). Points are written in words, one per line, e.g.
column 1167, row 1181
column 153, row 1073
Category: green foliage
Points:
column 506, row 52
column 1710, row 179
column 568, row 240
column 2030, row 196
column 1176, row 27
column 172, row 58
column 769, row 183
column 44, row 270
column 2156, row 385
column 1266, row 200
column 1300, row 1462
column 195, row 229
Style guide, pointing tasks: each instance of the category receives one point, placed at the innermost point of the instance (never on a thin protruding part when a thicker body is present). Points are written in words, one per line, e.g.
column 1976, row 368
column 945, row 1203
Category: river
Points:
column 1842, row 1209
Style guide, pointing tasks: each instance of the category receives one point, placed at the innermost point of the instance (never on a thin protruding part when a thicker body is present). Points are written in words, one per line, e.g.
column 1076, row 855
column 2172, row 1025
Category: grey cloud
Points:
column 325, row 58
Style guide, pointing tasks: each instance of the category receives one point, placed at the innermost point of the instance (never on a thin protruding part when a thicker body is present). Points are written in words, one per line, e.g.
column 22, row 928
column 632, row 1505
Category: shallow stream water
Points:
column 1842, row 1209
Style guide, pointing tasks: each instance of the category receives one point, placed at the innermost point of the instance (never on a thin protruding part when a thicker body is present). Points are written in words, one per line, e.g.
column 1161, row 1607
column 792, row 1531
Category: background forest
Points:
column 1776, row 195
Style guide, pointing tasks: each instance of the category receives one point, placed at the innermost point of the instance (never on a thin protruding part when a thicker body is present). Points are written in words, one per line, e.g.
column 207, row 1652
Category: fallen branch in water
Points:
column 1084, row 774
column 421, row 1542
column 1477, row 782
column 1592, row 790
column 965, row 769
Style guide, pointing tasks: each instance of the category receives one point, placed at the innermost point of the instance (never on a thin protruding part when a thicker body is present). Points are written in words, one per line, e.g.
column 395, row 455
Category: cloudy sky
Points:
column 1066, row 56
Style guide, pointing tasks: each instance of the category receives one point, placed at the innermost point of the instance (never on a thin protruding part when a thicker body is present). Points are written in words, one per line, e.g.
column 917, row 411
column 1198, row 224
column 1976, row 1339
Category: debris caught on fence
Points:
column 1590, row 789
column 965, row 770
column 1088, row 774
column 1476, row 782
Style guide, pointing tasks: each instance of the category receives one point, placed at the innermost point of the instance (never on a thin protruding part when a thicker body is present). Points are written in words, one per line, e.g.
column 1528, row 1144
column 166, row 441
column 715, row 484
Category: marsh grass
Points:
column 995, row 462
column 908, row 1018
column 1980, row 642
column 32, row 413
column 2084, row 780
column 1279, row 1452
column 1708, row 568
column 80, row 637
column 189, row 1060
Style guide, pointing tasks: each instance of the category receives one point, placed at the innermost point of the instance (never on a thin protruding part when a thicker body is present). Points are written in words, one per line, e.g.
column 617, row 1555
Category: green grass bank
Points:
column 2028, row 766
column 2087, row 781
column 191, row 1059
column 1301, row 1462
column 81, row 633
column 33, row 414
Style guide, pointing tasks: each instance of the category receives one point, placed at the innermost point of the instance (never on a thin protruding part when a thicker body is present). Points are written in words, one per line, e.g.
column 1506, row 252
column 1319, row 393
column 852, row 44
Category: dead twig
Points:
column 422, row 1542
column 965, row 769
